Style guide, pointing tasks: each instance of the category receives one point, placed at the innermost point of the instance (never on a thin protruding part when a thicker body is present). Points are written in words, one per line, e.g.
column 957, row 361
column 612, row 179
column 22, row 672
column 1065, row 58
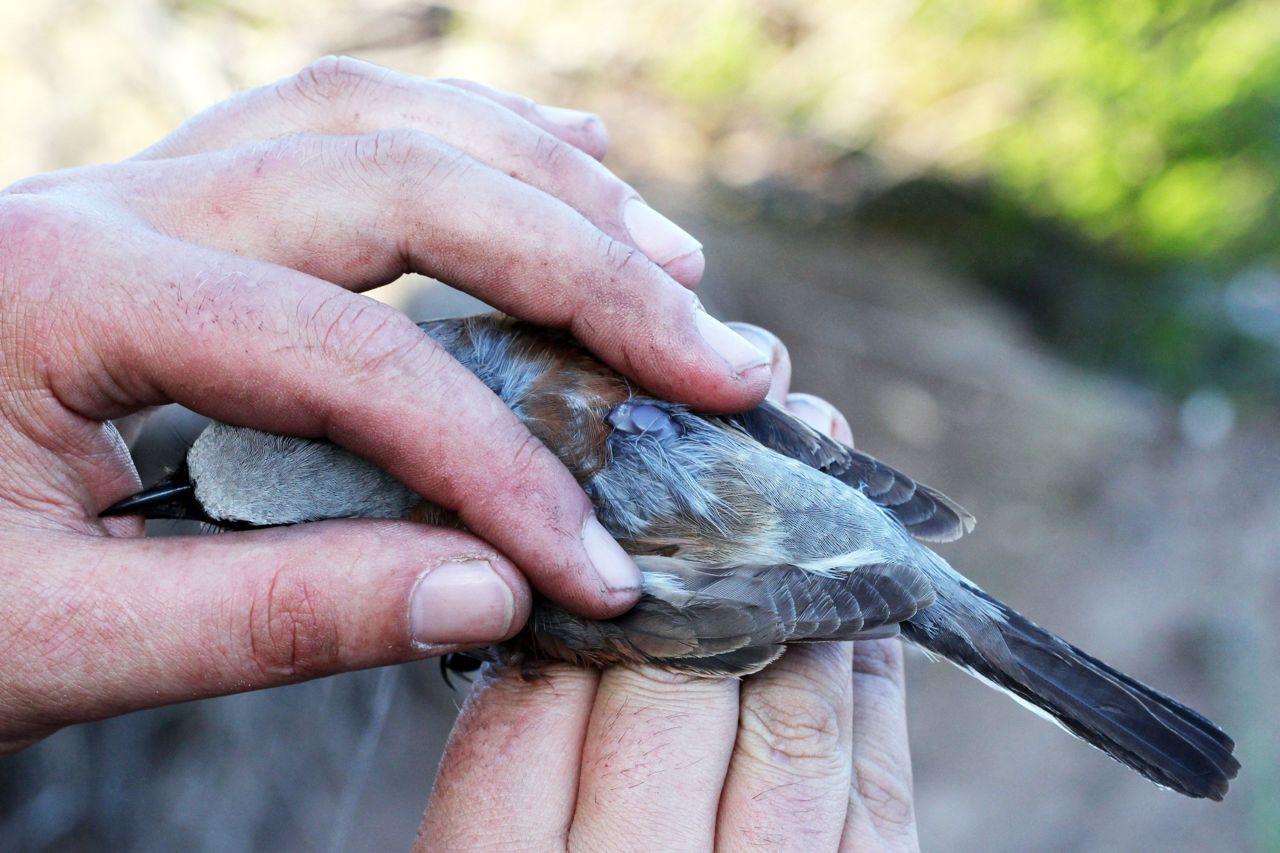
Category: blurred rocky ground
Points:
column 1138, row 520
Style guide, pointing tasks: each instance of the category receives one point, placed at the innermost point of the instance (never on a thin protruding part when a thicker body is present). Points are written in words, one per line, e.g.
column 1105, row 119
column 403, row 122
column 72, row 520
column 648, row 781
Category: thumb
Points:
column 122, row 624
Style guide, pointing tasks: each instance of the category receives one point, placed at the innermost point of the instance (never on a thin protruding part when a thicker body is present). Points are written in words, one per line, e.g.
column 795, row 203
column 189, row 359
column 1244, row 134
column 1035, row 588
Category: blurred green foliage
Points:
column 1110, row 166
column 1153, row 124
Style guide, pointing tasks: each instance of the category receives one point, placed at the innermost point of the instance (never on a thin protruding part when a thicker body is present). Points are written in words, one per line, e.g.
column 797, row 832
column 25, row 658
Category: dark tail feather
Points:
column 1163, row 740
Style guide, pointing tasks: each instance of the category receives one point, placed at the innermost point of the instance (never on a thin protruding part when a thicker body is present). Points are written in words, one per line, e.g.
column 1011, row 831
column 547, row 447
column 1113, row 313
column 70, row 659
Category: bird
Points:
column 752, row 531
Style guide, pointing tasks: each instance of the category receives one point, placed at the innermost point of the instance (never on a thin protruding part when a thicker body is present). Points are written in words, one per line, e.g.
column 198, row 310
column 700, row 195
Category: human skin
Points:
column 221, row 269
column 810, row 754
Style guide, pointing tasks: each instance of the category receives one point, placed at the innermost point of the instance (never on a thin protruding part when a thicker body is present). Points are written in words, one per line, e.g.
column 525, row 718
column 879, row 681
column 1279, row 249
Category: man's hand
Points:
column 217, row 270
column 810, row 754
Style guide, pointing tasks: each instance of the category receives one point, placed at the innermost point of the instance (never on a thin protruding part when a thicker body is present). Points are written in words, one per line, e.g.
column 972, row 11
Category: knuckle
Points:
column 30, row 224
column 332, row 79
column 528, row 459
column 292, row 628
column 407, row 161
column 877, row 664
column 524, row 477
column 31, row 238
column 364, row 338
column 556, row 158
column 885, row 793
column 529, row 478
column 391, row 151
column 619, row 258
column 54, row 651
column 793, row 725
column 525, row 489
column 569, row 173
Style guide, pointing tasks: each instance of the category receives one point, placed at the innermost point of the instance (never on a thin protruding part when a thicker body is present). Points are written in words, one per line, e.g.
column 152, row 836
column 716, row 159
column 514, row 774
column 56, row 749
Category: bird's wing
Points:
column 925, row 512
column 736, row 621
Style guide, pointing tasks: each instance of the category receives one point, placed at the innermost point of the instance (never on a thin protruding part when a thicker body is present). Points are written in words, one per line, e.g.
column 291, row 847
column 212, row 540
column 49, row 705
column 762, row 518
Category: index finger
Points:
column 411, row 203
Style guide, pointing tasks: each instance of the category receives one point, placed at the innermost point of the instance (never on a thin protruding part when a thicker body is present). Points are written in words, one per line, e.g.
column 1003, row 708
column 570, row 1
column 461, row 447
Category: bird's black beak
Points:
column 172, row 497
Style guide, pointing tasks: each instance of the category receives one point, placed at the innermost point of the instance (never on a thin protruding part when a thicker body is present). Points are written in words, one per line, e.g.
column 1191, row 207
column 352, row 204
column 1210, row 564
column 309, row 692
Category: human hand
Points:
column 216, row 270
column 810, row 754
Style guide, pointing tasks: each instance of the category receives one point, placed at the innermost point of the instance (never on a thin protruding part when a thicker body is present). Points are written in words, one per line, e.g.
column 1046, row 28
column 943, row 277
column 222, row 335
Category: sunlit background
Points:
column 1029, row 247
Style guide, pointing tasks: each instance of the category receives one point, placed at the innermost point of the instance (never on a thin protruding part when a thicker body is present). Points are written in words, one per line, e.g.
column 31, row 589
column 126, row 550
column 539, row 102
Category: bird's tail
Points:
column 1163, row 740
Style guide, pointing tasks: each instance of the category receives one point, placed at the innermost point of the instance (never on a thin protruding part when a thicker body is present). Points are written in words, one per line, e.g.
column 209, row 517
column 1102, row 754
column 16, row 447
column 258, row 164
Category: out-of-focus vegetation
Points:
column 1111, row 167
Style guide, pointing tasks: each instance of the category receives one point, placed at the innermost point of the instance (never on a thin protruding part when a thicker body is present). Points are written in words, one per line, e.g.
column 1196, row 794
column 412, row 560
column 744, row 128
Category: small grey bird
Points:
column 752, row 530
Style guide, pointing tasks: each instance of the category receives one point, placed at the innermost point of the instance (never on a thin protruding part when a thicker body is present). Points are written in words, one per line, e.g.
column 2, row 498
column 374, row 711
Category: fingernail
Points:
column 757, row 337
column 566, row 117
column 731, row 346
column 655, row 235
column 460, row 603
column 814, row 411
column 618, row 571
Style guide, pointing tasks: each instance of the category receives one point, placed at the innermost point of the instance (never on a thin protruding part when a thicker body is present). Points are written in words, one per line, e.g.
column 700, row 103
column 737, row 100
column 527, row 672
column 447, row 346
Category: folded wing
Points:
column 731, row 623
column 927, row 513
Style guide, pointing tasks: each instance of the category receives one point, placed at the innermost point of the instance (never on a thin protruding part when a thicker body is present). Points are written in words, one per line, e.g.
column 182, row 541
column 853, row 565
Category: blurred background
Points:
column 1029, row 247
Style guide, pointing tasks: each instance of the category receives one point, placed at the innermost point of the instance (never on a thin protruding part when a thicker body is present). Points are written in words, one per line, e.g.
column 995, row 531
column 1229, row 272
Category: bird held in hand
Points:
column 752, row 530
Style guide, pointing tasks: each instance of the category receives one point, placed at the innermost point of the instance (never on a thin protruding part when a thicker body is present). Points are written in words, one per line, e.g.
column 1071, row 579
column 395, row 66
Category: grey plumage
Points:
column 752, row 530
column 737, row 621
